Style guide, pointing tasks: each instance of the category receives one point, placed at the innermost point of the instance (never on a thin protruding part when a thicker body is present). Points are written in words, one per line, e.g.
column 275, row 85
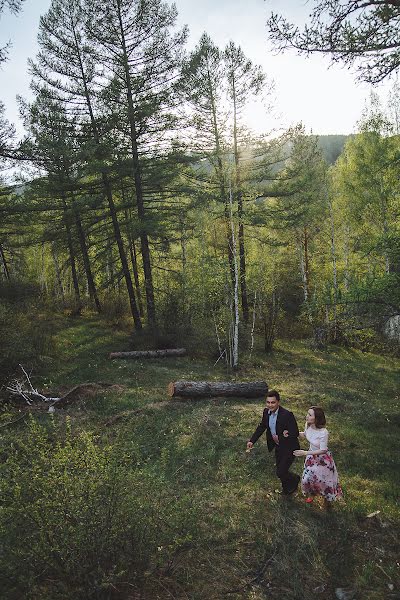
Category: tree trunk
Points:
column 211, row 389
column 136, row 276
column 184, row 260
column 385, row 228
column 133, row 256
column 334, row 267
column 4, row 263
column 72, row 257
column 73, row 271
column 221, row 179
column 144, row 241
column 43, row 278
column 58, row 274
column 108, row 192
column 242, row 255
column 235, row 324
column 86, row 260
column 122, row 254
column 306, row 263
column 150, row 353
column 269, row 322
column 346, row 258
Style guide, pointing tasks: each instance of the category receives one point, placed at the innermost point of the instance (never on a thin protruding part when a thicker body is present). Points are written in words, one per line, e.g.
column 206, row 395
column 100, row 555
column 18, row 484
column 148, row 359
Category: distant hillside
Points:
column 332, row 146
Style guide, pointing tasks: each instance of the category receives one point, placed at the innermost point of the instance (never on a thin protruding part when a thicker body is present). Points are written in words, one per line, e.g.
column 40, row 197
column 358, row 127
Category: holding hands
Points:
column 300, row 453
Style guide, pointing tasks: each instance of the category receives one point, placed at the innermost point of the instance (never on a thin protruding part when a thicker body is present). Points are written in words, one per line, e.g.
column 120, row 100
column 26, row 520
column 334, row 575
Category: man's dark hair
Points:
column 320, row 420
column 274, row 394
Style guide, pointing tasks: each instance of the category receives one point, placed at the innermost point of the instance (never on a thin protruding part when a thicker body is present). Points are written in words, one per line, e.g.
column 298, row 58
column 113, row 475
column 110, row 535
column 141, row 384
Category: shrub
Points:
column 71, row 524
column 26, row 332
column 115, row 308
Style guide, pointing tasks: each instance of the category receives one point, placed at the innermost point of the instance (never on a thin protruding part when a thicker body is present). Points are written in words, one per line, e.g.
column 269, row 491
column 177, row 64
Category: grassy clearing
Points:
column 216, row 526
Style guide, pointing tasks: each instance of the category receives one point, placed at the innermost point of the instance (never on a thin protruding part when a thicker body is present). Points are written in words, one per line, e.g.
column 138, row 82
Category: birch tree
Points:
column 244, row 80
column 204, row 89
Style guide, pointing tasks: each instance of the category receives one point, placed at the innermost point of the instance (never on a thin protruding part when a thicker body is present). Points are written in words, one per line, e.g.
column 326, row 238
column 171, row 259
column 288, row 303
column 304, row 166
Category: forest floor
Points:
column 226, row 531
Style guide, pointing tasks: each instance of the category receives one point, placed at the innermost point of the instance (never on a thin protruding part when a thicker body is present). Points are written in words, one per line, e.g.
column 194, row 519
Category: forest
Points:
column 143, row 214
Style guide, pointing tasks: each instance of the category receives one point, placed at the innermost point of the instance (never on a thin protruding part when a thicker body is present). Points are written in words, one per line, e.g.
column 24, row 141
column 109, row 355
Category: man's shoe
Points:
column 294, row 488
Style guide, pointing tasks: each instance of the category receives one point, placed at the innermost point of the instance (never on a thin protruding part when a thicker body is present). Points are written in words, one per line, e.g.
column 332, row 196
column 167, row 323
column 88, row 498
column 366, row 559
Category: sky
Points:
column 326, row 99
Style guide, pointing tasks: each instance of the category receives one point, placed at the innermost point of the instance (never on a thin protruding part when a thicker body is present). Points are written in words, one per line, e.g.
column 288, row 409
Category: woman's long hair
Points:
column 320, row 420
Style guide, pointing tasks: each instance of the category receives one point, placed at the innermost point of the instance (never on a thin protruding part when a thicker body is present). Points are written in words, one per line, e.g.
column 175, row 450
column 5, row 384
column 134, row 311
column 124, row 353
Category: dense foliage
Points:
column 148, row 193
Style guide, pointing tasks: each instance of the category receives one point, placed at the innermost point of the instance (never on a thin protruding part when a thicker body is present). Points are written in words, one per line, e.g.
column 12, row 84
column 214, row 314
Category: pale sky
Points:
column 326, row 99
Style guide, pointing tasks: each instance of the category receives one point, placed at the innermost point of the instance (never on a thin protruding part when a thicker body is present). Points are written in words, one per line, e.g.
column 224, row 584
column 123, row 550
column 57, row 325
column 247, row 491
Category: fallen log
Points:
column 150, row 353
column 212, row 389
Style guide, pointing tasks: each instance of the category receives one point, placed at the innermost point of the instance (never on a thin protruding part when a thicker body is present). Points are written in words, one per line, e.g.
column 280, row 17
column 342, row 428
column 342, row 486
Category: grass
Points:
column 223, row 530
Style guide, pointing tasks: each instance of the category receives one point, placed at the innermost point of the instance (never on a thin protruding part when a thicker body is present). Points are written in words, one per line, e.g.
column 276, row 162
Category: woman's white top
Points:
column 318, row 438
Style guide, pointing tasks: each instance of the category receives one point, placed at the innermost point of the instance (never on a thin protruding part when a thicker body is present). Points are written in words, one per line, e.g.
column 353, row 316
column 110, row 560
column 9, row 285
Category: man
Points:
column 282, row 434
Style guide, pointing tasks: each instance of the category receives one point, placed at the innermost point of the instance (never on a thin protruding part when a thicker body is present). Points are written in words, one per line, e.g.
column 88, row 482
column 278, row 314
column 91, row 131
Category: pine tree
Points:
column 53, row 145
column 142, row 59
column 301, row 203
column 67, row 65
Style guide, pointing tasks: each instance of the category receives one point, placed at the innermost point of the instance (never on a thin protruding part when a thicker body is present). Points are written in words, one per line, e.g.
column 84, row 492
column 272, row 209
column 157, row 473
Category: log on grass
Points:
column 150, row 353
column 212, row 389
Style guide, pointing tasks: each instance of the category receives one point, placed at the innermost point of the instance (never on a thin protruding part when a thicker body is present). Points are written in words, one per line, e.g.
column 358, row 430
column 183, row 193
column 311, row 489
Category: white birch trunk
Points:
column 235, row 336
column 253, row 323
column 303, row 271
column 346, row 258
column 42, row 278
column 385, row 228
column 334, row 265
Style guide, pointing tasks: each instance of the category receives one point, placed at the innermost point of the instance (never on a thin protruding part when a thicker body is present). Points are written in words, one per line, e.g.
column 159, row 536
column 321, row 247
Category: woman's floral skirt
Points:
column 320, row 477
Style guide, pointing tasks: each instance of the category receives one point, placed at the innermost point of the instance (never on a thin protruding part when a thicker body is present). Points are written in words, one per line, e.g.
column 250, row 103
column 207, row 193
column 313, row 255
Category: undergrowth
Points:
column 130, row 495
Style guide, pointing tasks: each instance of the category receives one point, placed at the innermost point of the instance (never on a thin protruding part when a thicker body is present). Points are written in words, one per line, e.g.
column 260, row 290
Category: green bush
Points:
column 367, row 340
column 26, row 331
column 71, row 523
column 115, row 308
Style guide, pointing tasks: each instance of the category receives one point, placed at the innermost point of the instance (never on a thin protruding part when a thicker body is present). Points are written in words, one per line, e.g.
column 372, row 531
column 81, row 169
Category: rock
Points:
column 391, row 328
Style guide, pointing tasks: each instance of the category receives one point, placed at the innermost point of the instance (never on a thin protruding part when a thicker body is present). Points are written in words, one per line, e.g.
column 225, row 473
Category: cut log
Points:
column 212, row 389
column 150, row 353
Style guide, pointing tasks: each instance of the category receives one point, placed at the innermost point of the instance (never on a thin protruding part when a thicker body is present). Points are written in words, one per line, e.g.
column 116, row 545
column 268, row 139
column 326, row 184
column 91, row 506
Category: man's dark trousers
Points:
column 283, row 460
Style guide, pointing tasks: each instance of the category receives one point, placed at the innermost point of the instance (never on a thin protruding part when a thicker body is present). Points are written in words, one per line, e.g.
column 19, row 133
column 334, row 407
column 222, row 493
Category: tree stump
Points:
column 212, row 389
column 150, row 353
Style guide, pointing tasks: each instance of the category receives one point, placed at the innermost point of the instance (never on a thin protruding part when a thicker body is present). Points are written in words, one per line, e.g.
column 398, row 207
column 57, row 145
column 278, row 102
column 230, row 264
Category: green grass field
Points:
column 216, row 526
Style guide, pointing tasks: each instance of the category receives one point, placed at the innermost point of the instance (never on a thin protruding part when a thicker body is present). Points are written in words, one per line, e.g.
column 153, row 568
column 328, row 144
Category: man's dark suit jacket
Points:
column 284, row 421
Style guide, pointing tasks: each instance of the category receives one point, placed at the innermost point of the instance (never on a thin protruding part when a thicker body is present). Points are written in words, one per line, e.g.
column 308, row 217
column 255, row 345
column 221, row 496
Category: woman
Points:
column 320, row 475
